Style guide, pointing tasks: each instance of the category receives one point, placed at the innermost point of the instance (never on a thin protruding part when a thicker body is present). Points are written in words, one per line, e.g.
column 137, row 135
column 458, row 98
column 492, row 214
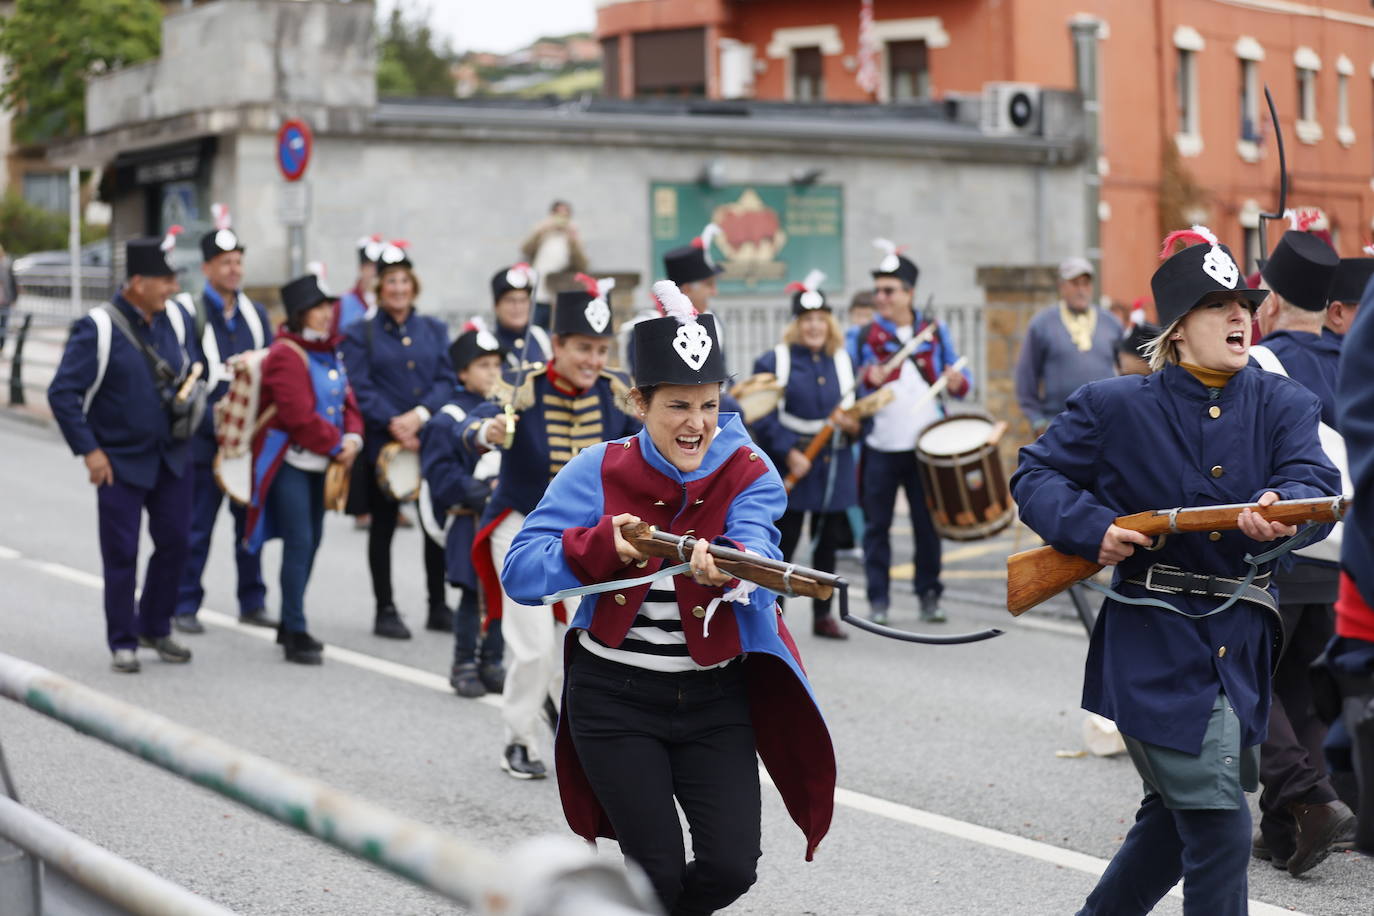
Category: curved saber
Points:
column 927, row 639
column 1283, row 178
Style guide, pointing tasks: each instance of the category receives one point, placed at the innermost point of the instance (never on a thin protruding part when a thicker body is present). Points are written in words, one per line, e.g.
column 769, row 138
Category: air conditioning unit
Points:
column 1011, row 108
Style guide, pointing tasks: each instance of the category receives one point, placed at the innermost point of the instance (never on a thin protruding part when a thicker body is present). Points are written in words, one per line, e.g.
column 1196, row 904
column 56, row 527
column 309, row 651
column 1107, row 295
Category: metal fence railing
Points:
column 546, row 876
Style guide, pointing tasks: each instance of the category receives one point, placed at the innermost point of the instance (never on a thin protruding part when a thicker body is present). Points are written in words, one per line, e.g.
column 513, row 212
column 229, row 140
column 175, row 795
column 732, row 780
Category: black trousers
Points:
column 645, row 738
column 833, row 528
column 1292, row 765
column 384, row 511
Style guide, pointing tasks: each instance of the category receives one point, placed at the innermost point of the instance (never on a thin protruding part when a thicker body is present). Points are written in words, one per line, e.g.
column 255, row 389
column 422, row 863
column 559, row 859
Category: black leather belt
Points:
column 1174, row 581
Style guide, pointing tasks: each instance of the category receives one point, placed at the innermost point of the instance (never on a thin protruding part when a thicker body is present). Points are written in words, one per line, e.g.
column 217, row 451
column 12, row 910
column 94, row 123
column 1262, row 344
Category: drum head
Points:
column 758, row 395
column 336, row 480
column 398, row 471
column 235, row 476
column 955, row 436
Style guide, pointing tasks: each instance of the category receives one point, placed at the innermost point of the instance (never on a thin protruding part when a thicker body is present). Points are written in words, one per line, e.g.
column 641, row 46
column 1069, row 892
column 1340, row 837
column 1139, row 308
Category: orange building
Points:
column 1184, row 132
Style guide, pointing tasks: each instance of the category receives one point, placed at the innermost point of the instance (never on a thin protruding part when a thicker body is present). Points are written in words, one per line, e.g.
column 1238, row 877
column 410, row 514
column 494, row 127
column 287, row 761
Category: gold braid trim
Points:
column 620, row 392
column 524, row 397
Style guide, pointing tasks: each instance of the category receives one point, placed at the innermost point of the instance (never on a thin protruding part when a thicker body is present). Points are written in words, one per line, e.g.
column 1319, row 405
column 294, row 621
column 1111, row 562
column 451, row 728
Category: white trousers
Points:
column 534, row 665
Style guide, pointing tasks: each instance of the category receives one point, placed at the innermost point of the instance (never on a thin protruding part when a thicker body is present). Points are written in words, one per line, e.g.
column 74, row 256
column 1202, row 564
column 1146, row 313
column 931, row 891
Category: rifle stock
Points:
column 769, row 574
column 1039, row 574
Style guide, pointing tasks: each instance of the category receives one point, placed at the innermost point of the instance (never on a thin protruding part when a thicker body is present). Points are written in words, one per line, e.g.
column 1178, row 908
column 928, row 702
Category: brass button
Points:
column 689, row 531
column 753, row 457
column 1214, row 536
column 820, row 380
column 410, row 364
column 659, row 502
column 333, row 373
column 620, row 599
column 1214, row 411
column 329, row 410
column 627, row 444
column 1221, row 653
column 698, row 502
column 519, row 343
column 698, row 612
column 405, row 341
column 1218, row 470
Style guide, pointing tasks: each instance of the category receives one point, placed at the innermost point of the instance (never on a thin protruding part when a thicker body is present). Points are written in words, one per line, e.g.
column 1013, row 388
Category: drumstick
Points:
column 941, row 383
column 191, row 377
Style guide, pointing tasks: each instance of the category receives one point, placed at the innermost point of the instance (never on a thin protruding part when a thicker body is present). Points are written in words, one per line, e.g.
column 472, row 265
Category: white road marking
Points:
column 847, row 798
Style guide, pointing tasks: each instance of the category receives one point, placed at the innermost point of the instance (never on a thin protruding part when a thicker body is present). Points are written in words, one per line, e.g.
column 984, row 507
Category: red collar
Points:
column 561, row 384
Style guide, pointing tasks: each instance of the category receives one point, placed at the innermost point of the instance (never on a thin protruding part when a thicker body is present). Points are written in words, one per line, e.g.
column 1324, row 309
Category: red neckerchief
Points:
column 562, row 385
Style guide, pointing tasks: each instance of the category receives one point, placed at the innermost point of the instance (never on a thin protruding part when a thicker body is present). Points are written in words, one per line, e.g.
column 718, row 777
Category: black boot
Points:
column 440, row 619
column 389, row 624
column 303, row 649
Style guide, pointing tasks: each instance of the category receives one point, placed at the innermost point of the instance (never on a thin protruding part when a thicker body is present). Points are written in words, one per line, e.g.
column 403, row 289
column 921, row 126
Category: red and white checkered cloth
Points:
column 236, row 414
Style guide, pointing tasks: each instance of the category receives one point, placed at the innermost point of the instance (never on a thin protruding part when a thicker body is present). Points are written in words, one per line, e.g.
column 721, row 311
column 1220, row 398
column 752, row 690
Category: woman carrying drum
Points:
column 314, row 420
column 399, row 366
column 674, row 686
column 1182, row 669
column 818, row 382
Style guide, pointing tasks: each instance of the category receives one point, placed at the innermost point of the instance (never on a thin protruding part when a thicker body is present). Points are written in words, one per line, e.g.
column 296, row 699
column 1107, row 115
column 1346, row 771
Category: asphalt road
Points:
column 953, row 798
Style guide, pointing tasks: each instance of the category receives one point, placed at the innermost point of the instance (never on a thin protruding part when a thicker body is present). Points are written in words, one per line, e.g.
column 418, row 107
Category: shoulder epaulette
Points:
column 620, row 391
column 523, row 398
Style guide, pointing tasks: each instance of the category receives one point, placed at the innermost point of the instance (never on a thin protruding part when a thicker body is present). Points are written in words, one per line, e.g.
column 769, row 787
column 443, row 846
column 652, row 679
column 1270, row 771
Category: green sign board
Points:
column 771, row 234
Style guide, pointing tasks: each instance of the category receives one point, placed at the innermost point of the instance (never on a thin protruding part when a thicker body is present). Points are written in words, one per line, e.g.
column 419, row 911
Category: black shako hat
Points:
column 221, row 239
column 148, row 257
column 681, row 348
column 303, row 294
column 471, row 344
column 394, row 254
column 517, row 276
column 692, row 262
column 894, row 264
column 807, row 295
column 586, row 310
column 370, row 249
column 1352, row 276
column 1137, row 337
column 1187, row 278
column 1301, row 270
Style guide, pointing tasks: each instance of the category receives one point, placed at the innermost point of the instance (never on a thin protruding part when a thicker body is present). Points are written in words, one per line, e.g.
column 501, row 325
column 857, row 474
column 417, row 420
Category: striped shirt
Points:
column 655, row 640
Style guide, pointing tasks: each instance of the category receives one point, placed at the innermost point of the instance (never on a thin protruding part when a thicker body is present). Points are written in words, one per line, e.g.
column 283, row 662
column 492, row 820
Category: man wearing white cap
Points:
column 1067, row 345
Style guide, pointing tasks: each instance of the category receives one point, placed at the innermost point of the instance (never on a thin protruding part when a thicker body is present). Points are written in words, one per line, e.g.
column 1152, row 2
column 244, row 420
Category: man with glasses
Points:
column 889, row 445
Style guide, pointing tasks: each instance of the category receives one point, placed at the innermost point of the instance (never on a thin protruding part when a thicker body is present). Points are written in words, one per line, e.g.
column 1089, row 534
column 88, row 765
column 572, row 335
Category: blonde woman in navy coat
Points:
column 818, row 376
column 1189, row 689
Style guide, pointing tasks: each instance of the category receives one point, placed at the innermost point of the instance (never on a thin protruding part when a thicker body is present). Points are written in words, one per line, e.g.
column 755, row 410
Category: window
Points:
column 1345, row 134
column 1249, row 101
column 48, row 190
column 1307, row 63
column 908, row 71
column 610, row 67
column 1188, row 136
column 671, row 62
column 808, row 80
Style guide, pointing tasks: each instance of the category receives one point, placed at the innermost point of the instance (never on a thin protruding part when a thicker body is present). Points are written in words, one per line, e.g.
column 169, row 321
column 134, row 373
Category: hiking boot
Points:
column 466, row 682
column 389, row 624
column 516, row 761
column 493, row 675
column 167, row 650
column 303, row 649
column 1319, row 826
column 187, row 623
column 1260, row 848
column 440, row 619
column 125, row 661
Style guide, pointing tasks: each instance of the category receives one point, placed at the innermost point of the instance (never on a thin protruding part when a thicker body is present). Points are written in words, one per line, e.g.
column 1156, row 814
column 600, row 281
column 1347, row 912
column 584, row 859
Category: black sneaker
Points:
column 303, row 649
column 389, row 624
column 466, row 682
column 257, row 618
column 516, row 761
column 167, row 650
column 493, row 675
column 187, row 623
column 125, row 661
column 440, row 619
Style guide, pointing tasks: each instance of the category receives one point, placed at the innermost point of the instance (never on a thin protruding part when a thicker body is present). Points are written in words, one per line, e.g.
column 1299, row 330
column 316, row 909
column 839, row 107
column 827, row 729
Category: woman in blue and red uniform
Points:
column 316, row 421
column 674, row 686
column 818, row 376
column 1186, row 682
column 399, row 366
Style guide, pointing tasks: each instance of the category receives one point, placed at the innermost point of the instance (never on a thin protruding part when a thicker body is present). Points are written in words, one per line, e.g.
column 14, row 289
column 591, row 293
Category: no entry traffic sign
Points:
column 294, row 143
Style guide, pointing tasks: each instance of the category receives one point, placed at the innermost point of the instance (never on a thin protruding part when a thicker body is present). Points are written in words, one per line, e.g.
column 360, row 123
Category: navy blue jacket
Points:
column 812, row 393
column 448, row 468
column 394, row 368
column 237, row 338
column 1311, row 360
column 1136, row 443
column 127, row 418
column 1355, row 398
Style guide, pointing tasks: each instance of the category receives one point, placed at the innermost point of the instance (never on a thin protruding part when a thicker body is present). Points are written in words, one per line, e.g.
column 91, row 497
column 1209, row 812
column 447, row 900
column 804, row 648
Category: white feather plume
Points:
column 220, row 214
column 814, row 279
column 604, row 285
column 885, row 246
column 1208, row 234
column 1369, row 250
column 674, row 302
column 476, row 323
column 708, row 235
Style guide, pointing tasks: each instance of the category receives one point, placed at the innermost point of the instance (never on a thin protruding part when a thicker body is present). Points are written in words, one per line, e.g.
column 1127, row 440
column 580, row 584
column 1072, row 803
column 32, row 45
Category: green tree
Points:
column 50, row 48
column 413, row 61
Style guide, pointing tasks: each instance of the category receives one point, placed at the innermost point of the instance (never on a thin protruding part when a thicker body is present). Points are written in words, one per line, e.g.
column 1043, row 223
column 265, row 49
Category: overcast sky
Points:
column 500, row 25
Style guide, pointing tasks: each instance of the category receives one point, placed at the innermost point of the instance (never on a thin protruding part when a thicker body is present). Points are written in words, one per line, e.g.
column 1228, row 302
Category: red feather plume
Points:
column 1187, row 235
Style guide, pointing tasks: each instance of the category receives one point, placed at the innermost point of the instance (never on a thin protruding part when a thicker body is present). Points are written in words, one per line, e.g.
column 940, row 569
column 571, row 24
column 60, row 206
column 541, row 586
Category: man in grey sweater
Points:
column 1067, row 345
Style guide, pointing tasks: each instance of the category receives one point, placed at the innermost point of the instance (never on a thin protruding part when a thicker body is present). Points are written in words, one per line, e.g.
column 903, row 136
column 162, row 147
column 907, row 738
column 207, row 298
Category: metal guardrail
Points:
column 547, row 876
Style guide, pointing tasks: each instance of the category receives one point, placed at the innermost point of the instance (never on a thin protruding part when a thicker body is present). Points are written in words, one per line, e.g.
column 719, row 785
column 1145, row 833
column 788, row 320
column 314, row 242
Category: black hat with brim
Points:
column 217, row 242
column 1197, row 273
column 393, row 257
column 509, row 278
column 579, row 312
column 303, row 294
column 145, row 258
column 1137, row 338
column 671, row 352
column 1301, row 270
column 808, row 300
column 471, row 345
column 899, row 266
column 1352, row 276
column 688, row 264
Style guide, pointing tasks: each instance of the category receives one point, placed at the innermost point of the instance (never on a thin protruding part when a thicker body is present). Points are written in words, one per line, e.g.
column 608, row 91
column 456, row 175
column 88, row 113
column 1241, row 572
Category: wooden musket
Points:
column 771, row 574
column 1037, row 575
